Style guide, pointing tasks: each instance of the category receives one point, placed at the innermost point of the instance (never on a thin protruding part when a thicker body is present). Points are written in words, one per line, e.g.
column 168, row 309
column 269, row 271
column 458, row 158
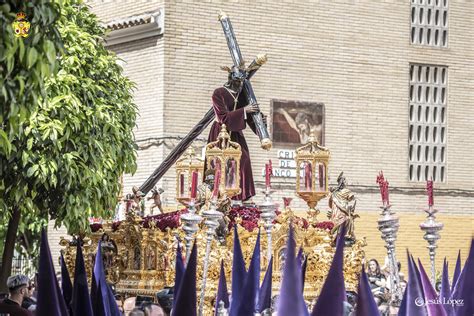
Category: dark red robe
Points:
column 223, row 104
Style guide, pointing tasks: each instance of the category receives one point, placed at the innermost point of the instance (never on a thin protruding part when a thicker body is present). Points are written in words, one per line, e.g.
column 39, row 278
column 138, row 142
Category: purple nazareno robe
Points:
column 234, row 119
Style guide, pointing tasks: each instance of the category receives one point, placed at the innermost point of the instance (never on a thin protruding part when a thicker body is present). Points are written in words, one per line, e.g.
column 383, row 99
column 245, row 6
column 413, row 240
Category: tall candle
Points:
column 181, row 184
column 231, row 176
column 321, row 176
column 307, row 171
column 270, row 172
column 194, row 185
column 429, row 188
column 217, row 182
column 387, row 200
column 267, row 175
column 287, row 201
column 380, row 181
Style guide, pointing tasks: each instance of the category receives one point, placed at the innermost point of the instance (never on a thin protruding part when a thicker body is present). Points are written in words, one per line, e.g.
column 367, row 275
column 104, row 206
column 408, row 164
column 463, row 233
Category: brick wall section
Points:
column 352, row 56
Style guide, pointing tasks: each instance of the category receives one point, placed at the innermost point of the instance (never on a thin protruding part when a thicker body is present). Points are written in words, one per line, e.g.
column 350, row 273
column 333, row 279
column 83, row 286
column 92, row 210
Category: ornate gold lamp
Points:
column 224, row 155
column 311, row 175
column 185, row 166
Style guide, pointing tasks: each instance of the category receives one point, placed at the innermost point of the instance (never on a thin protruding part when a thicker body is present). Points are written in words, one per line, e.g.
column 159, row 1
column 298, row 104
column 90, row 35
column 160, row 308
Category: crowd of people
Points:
column 22, row 295
column 372, row 297
column 21, row 300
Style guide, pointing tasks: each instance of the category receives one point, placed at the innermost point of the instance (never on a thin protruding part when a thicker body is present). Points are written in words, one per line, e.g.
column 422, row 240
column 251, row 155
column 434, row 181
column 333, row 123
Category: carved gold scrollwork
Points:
column 145, row 259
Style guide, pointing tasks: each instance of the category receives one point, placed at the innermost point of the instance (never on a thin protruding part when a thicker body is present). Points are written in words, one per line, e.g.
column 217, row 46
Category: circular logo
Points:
column 419, row 301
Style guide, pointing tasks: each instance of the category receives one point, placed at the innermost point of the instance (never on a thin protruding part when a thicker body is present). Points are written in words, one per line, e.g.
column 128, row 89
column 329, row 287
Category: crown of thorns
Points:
column 239, row 69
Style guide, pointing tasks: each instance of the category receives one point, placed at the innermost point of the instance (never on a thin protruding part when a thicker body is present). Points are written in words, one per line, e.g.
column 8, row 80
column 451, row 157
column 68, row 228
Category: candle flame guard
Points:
column 314, row 160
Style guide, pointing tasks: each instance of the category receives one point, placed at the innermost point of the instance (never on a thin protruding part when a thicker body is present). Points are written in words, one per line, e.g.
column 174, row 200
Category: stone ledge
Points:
column 133, row 28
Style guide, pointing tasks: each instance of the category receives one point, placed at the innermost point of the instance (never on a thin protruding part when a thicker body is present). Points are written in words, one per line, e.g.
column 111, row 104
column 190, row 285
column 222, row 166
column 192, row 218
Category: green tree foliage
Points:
column 78, row 141
column 25, row 63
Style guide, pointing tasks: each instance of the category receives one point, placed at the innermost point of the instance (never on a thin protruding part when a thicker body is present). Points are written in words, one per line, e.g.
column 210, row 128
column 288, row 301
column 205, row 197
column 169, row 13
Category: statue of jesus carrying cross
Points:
column 235, row 105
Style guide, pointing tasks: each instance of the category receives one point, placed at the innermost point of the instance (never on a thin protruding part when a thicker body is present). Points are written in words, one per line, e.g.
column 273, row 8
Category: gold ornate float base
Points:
column 141, row 261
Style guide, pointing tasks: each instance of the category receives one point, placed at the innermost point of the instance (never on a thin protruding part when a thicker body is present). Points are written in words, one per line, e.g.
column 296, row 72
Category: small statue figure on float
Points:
column 342, row 202
column 156, row 197
column 109, row 250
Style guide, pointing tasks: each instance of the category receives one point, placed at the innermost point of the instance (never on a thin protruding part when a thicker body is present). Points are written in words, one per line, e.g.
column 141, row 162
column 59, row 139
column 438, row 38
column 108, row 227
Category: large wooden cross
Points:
column 247, row 87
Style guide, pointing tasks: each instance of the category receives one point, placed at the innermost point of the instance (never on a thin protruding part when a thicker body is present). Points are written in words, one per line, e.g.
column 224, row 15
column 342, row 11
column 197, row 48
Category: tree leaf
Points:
column 5, row 142
column 31, row 170
column 32, row 57
column 21, row 51
column 50, row 51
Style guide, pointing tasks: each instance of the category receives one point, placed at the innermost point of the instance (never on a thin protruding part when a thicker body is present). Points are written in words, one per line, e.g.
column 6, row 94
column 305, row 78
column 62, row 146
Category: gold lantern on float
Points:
column 224, row 155
column 185, row 166
column 311, row 175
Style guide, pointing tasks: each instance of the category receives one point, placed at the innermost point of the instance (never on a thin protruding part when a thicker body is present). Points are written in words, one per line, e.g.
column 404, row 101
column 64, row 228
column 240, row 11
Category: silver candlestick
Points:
column 211, row 220
column 191, row 221
column 432, row 228
column 267, row 214
column 388, row 225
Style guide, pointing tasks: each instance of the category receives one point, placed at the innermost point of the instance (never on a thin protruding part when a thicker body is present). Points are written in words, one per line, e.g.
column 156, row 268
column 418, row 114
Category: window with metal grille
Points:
column 429, row 22
column 427, row 128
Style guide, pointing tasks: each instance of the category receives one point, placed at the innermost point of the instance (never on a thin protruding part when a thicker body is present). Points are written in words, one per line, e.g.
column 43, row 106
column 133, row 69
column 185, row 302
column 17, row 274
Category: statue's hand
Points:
column 251, row 108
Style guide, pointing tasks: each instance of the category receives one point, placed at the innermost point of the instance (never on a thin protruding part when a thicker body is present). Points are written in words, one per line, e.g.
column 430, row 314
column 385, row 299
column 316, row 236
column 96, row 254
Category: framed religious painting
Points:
column 294, row 121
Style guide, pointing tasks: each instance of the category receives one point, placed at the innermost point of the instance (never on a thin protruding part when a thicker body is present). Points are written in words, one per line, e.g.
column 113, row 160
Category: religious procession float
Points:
column 139, row 253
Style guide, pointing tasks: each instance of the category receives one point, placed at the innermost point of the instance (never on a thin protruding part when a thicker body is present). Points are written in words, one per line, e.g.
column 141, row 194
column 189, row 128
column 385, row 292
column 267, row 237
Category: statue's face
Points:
column 236, row 78
column 235, row 85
